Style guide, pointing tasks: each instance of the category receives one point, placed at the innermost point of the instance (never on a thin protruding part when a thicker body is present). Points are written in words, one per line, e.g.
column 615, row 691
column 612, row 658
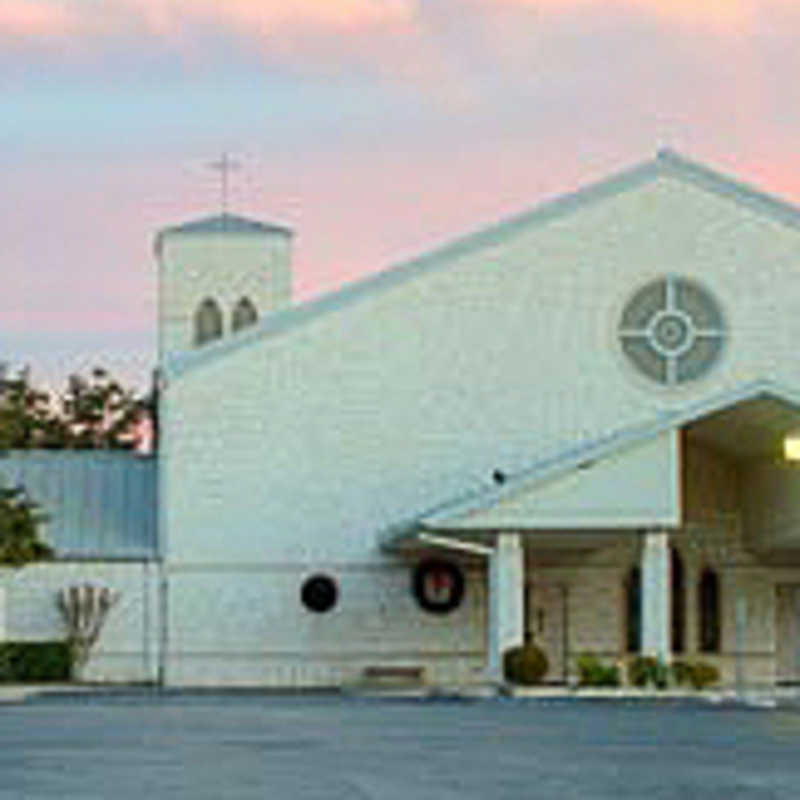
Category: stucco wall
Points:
column 127, row 648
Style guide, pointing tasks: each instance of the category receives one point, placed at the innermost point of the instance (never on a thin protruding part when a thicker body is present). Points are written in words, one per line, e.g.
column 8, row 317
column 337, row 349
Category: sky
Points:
column 375, row 129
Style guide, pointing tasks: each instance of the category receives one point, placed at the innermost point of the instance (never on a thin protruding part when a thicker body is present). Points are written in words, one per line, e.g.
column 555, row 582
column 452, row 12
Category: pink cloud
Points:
column 166, row 18
column 268, row 17
column 37, row 20
column 727, row 16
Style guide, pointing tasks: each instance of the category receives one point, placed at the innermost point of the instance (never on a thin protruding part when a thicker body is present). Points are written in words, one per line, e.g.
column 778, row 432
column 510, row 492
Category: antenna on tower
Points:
column 225, row 165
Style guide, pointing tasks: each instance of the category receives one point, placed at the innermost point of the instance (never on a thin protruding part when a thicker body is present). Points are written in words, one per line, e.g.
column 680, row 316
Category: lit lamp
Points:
column 791, row 447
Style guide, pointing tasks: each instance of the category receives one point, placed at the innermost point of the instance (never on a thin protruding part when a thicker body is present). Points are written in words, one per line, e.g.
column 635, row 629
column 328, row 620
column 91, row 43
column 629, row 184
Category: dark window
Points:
column 207, row 322
column 319, row 593
column 244, row 314
column 633, row 609
column 708, row 597
column 678, row 602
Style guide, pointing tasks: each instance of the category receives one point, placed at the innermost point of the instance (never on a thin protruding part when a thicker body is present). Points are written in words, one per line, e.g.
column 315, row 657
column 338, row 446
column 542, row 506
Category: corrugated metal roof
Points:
column 99, row 504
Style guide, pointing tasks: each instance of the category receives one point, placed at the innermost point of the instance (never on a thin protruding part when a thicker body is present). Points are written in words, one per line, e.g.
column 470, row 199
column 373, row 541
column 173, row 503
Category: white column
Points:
column 506, row 597
column 656, row 611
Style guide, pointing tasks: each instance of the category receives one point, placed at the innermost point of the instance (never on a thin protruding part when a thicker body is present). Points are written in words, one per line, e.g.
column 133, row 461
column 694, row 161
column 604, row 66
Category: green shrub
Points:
column 639, row 669
column 703, row 674
column 648, row 671
column 681, row 672
column 699, row 675
column 35, row 662
column 525, row 664
column 592, row 673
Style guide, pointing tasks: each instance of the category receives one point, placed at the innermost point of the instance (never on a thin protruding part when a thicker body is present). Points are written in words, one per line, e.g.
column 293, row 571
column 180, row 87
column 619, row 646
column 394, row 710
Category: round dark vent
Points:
column 672, row 330
column 319, row 593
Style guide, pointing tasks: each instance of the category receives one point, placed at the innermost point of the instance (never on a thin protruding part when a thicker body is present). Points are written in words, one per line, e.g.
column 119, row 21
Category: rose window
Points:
column 672, row 330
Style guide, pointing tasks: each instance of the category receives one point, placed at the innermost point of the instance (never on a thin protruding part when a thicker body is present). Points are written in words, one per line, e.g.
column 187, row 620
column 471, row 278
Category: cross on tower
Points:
column 225, row 165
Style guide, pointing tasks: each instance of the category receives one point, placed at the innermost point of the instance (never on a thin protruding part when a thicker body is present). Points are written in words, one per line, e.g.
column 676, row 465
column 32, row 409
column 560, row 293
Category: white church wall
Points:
column 304, row 444
column 244, row 626
column 126, row 650
column 635, row 487
column 300, row 447
column 225, row 267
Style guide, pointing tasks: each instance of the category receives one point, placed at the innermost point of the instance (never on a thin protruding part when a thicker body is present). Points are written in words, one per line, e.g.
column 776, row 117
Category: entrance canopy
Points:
column 632, row 479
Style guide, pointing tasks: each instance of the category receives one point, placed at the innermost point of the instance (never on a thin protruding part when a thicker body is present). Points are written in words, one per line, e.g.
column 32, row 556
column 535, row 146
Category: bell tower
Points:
column 217, row 276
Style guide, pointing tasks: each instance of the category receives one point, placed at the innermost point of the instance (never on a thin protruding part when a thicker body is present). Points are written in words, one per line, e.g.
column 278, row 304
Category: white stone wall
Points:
column 245, row 625
column 365, row 415
column 128, row 644
column 302, row 447
column 638, row 486
column 224, row 267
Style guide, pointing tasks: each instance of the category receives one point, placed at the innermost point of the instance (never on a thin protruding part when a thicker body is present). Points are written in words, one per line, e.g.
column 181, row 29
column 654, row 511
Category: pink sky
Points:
column 374, row 129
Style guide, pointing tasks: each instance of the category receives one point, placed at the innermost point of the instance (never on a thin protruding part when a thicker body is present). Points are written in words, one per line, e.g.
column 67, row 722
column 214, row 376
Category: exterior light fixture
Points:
column 791, row 447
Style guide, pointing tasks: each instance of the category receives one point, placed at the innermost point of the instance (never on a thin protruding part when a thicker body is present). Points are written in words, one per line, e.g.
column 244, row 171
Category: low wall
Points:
column 127, row 648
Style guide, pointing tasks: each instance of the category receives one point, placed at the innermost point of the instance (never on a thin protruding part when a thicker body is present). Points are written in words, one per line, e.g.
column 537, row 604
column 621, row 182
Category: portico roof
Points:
column 748, row 420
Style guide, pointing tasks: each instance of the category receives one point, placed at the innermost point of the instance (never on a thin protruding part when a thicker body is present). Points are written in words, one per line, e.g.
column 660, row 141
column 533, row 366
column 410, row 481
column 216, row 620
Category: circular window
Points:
column 319, row 593
column 672, row 330
column 438, row 586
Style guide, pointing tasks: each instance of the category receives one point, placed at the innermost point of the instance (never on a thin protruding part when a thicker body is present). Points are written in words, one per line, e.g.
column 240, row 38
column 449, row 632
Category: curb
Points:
column 765, row 699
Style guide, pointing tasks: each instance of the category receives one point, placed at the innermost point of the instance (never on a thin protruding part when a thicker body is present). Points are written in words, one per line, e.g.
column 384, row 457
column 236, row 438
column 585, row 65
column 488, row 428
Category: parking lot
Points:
column 301, row 747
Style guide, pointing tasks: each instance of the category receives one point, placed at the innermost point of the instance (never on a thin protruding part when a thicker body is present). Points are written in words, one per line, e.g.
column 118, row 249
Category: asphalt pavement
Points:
column 249, row 745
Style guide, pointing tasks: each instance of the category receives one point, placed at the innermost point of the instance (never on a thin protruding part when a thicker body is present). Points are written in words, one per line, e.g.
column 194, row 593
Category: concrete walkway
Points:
column 765, row 697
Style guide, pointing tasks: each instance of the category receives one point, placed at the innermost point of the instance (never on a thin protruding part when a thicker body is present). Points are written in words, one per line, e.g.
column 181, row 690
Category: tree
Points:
column 91, row 413
column 19, row 528
column 99, row 413
column 26, row 415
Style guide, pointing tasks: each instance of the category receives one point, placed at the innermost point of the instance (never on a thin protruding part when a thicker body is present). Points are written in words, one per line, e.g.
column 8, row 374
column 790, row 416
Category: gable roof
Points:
column 220, row 223
column 584, row 454
column 667, row 163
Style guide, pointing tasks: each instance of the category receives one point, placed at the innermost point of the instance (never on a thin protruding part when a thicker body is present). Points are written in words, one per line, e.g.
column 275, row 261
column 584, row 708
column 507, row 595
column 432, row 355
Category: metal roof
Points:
column 226, row 223
column 99, row 504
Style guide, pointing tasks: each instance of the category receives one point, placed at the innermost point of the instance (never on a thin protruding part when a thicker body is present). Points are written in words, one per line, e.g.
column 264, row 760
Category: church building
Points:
column 577, row 427
column 569, row 427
